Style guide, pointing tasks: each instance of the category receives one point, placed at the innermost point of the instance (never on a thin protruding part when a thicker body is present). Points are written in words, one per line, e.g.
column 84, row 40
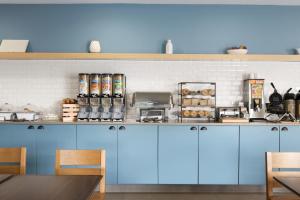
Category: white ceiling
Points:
column 240, row 2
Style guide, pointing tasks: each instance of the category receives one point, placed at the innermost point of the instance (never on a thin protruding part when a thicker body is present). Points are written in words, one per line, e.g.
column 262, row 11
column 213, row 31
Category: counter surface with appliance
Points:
column 133, row 122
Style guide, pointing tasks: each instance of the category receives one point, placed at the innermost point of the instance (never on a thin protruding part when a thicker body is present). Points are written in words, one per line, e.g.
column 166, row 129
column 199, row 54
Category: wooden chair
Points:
column 82, row 158
column 13, row 161
column 282, row 160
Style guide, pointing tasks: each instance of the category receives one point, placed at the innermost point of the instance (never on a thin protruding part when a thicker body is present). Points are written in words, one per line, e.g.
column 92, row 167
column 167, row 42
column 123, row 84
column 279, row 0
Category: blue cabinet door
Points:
column 290, row 138
column 137, row 154
column 178, row 155
column 254, row 142
column 48, row 139
column 218, row 154
column 20, row 136
column 101, row 137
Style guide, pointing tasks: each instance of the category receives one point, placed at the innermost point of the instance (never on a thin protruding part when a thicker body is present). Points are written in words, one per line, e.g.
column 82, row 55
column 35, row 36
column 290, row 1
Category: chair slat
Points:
column 79, row 171
column 285, row 160
column 10, row 155
column 9, row 169
column 80, row 157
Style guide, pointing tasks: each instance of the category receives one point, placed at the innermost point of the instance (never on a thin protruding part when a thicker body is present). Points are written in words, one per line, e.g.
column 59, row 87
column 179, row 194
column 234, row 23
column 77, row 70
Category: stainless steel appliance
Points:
column 254, row 98
column 298, row 105
column 231, row 112
column 118, row 109
column 106, row 109
column 290, row 103
column 84, row 108
column 152, row 106
column 94, row 114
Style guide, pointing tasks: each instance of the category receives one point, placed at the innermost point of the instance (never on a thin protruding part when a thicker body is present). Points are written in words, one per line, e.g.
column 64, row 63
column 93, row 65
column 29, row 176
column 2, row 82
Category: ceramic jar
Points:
column 95, row 46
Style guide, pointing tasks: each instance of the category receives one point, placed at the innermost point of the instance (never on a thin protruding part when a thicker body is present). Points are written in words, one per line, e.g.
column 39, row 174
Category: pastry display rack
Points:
column 197, row 101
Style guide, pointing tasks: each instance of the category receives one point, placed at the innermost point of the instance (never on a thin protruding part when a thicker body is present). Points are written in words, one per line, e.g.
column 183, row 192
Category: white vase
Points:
column 169, row 47
column 95, row 46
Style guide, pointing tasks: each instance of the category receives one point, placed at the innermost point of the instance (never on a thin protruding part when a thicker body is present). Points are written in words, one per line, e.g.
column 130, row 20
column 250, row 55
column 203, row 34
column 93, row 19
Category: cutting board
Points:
column 234, row 120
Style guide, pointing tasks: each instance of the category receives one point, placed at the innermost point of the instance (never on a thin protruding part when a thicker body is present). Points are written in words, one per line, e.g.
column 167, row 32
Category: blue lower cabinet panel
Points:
column 290, row 138
column 178, row 155
column 20, row 136
column 137, row 154
column 254, row 142
column 218, row 154
column 49, row 138
column 101, row 137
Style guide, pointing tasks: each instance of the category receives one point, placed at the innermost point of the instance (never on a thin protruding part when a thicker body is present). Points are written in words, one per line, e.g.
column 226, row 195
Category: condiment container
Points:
column 169, row 47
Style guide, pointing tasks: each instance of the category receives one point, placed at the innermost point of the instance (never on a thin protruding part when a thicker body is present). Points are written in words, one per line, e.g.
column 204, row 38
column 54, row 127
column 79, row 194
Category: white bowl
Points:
column 298, row 51
column 237, row 51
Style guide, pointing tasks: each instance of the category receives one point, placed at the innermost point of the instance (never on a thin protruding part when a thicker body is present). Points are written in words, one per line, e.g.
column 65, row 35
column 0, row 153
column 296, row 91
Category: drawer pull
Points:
column 193, row 128
column 274, row 129
column 284, row 129
column 112, row 128
column 30, row 127
column 41, row 127
column 122, row 128
column 203, row 128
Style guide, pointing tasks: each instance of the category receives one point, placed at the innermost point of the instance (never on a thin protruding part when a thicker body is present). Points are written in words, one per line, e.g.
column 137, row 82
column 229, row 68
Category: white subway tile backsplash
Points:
column 45, row 83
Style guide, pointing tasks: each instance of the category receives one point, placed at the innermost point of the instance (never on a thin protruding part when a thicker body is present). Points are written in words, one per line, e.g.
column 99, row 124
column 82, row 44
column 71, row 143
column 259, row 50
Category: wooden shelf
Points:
column 147, row 56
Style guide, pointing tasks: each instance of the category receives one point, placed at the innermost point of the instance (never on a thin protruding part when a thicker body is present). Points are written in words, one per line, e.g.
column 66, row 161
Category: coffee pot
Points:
column 289, row 102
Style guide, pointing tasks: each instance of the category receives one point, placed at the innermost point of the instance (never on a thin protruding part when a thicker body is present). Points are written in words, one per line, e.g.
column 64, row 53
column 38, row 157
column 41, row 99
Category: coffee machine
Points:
column 253, row 96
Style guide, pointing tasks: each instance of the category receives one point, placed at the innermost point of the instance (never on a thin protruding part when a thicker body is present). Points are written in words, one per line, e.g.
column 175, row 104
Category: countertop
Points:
column 133, row 122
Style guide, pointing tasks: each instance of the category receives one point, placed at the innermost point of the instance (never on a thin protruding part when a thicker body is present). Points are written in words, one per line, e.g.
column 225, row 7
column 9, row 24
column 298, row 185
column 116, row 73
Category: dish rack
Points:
column 197, row 101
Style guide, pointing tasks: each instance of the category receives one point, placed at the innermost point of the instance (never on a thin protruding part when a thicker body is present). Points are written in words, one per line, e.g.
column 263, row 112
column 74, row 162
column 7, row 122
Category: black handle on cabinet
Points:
column 203, row 128
column 274, row 129
column 112, row 128
column 193, row 128
column 122, row 128
column 284, row 129
column 41, row 127
column 30, row 127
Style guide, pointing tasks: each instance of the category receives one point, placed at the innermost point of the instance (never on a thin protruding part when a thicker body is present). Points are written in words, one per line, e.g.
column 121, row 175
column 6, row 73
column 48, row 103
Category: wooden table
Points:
column 47, row 187
column 291, row 183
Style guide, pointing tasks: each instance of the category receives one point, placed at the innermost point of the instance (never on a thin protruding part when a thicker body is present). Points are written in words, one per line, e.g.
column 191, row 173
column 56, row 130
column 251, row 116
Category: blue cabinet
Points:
column 137, row 154
column 178, row 155
column 218, row 154
column 290, row 138
column 48, row 139
column 101, row 137
column 41, row 142
column 20, row 136
column 254, row 142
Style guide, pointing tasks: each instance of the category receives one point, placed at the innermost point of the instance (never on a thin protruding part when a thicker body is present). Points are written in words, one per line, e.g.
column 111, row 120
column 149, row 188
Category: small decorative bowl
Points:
column 237, row 51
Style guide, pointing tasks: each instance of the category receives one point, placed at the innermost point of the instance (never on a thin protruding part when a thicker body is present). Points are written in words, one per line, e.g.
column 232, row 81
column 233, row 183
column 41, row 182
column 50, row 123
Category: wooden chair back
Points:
column 67, row 159
column 13, row 161
column 280, row 160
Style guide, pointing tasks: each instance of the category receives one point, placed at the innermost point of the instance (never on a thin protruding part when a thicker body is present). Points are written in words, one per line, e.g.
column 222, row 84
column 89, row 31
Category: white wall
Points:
column 46, row 83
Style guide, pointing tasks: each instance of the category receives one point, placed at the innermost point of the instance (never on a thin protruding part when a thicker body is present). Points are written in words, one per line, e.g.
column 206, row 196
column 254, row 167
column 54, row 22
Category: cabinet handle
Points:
column 284, row 129
column 41, row 127
column 112, row 128
column 203, row 128
column 122, row 128
column 274, row 129
column 30, row 127
column 193, row 128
